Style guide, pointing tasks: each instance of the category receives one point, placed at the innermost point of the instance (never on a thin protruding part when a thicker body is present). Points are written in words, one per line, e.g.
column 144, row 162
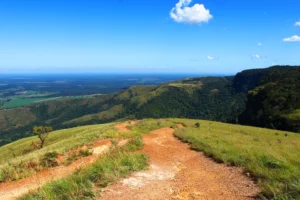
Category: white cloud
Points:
column 297, row 23
column 256, row 56
column 211, row 58
column 196, row 14
column 294, row 38
column 259, row 44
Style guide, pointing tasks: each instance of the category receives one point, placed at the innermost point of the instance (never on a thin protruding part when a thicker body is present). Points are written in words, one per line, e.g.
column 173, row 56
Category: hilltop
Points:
column 260, row 97
column 95, row 161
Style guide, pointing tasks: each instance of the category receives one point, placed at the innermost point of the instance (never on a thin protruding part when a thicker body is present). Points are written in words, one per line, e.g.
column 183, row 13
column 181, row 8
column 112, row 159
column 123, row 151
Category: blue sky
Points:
column 200, row 36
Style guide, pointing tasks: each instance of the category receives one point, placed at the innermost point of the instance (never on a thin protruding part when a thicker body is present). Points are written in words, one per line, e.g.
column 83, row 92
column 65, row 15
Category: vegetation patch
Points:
column 271, row 157
column 50, row 159
column 75, row 155
column 26, row 158
column 147, row 125
column 106, row 170
column 61, row 141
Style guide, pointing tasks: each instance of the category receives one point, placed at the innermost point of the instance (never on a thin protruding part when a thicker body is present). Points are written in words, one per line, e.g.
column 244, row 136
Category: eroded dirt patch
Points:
column 123, row 127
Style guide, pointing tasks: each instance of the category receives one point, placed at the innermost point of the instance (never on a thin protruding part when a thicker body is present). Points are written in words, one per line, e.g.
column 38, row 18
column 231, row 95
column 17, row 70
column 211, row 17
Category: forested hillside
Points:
column 260, row 97
column 275, row 102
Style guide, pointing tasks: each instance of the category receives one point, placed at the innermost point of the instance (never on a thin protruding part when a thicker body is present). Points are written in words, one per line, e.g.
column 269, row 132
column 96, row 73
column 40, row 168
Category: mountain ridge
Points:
column 227, row 99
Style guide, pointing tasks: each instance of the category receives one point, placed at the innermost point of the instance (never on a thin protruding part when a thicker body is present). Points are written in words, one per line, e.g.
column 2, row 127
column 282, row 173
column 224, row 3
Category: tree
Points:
column 42, row 132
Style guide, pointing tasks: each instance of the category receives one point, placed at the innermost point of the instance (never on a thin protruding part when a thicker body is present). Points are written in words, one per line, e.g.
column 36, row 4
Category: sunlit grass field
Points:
column 272, row 157
column 59, row 141
column 85, row 184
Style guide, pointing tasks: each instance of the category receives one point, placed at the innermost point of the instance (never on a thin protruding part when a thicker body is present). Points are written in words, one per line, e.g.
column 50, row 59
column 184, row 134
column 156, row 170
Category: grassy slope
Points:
column 81, row 185
column 66, row 139
column 271, row 156
column 59, row 141
column 15, row 117
column 106, row 170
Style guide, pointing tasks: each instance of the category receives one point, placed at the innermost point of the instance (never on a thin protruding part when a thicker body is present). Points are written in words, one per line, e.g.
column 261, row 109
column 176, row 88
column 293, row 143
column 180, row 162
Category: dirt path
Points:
column 12, row 190
column 179, row 173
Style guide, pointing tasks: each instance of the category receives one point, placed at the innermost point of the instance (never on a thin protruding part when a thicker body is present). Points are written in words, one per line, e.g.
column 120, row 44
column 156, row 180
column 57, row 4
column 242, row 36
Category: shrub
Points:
column 8, row 174
column 197, row 125
column 49, row 159
column 85, row 152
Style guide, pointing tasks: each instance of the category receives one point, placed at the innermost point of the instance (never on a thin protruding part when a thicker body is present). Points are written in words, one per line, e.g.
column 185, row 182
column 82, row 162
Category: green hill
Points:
column 260, row 97
column 269, row 156
column 275, row 102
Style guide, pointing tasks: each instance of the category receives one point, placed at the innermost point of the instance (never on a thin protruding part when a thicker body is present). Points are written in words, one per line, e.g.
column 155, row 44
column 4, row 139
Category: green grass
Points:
column 107, row 170
column 32, row 97
column 81, row 185
column 146, row 125
column 26, row 99
column 272, row 157
column 24, row 157
column 60, row 141
column 19, row 102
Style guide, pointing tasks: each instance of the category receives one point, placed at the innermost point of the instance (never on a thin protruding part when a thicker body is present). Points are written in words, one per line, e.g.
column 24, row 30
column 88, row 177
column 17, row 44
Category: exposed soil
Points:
column 180, row 126
column 122, row 127
column 13, row 190
column 177, row 172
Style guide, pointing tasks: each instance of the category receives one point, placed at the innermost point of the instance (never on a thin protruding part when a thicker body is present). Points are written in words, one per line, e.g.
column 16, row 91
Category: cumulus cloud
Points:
column 211, row 58
column 256, row 56
column 294, row 38
column 297, row 23
column 195, row 14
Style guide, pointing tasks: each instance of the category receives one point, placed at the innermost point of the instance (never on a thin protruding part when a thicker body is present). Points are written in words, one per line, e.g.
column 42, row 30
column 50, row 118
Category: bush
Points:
column 85, row 152
column 49, row 159
column 197, row 125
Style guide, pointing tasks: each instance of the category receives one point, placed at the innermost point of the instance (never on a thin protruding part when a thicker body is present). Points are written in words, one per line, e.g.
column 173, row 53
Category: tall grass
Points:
column 106, row 170
column 271, row 157
column 59, row 141
column 23, row 159
column 81, row 185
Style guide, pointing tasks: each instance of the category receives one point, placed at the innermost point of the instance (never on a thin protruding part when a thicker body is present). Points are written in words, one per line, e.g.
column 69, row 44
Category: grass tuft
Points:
column 105, row 171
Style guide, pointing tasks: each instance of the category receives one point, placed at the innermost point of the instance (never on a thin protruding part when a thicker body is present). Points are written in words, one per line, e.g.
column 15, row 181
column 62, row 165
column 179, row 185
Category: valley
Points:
column 248, row 98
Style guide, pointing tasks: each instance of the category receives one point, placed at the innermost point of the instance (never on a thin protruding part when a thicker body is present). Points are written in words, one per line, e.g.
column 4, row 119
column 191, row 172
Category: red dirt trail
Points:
column 13, row 190
column 177, row 172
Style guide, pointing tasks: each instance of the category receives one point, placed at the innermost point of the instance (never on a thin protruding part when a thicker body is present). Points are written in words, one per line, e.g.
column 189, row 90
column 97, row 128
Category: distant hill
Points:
column 260, row 97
